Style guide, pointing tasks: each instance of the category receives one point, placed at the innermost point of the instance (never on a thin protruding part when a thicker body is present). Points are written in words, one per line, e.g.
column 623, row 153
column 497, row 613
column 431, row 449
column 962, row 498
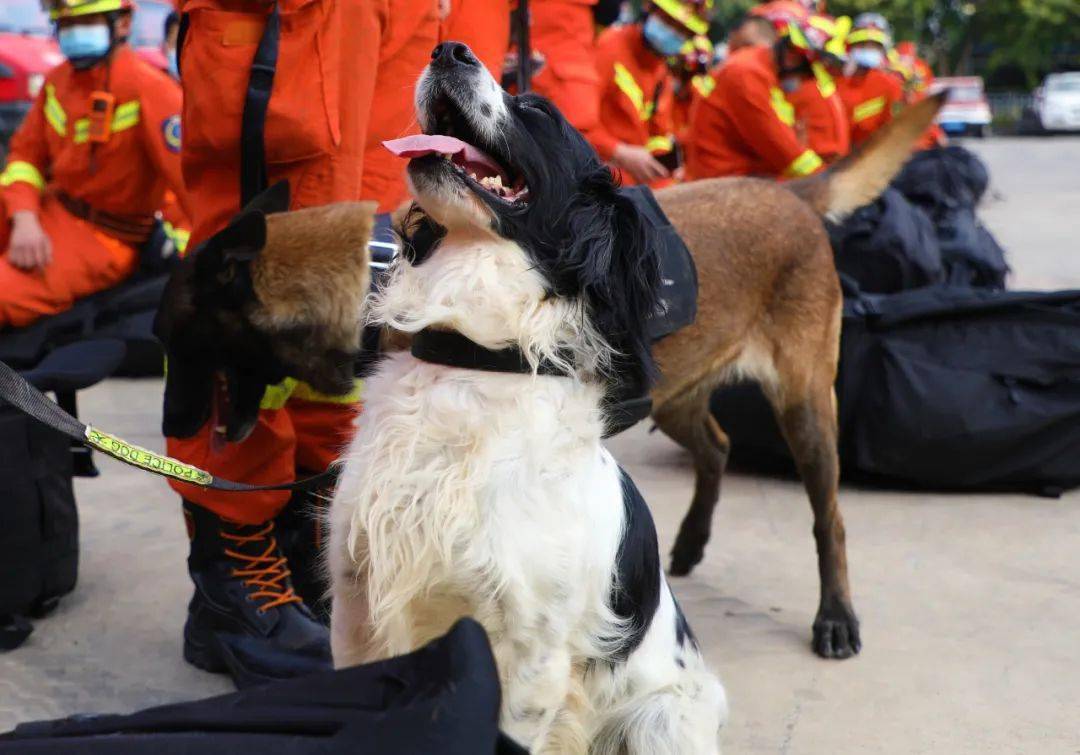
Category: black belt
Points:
column 134, row 229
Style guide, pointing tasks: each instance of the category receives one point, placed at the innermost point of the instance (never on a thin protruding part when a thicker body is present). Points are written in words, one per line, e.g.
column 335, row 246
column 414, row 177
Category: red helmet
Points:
column 780, row 13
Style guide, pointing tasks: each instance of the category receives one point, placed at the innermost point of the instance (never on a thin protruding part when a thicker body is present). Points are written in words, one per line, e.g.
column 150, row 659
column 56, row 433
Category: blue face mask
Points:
column 86, row 41
column 868, row 57
column 663, row 38
column 174, row 67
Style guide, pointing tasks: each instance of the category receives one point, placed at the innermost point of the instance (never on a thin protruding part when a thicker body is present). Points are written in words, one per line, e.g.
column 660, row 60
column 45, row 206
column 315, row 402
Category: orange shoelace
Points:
column 265, row 572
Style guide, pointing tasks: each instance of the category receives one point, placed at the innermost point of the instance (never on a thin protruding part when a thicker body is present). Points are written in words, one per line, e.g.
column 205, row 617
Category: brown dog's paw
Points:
column 836, row 633
column 688, row 551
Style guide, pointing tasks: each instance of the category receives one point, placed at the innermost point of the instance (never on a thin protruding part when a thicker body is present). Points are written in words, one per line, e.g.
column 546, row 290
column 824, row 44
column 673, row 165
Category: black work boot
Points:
column 245, row 618
column 299, row 529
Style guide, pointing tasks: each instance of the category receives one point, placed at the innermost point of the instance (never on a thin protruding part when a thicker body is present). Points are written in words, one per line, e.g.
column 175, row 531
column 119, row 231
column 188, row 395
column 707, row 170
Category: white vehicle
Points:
column 1057, row 102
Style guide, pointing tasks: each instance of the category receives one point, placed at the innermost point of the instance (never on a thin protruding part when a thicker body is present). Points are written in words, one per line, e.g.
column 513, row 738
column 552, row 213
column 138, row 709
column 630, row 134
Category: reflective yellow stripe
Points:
column 869, row 35
column 124, row 117
column 803, row 165
column 179, row 236
column 825, row 83
column 72, row 9
column 704, row 84
column 784, row 111
column 660, row 144
column 868, row 109
column 276, row 396
column 306, row 393
column 18, row 170
column 798, row 39
column 54, row 111
column 682, row 13
column 624, row 80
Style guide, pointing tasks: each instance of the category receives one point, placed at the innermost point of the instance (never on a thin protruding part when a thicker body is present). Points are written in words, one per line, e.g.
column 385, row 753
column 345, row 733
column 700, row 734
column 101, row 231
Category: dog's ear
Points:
column 612, row 255
column 222, row 262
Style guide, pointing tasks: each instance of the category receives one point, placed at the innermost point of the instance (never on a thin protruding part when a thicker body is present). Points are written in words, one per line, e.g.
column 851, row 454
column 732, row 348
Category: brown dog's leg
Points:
column 809, row 426
column 691, row 425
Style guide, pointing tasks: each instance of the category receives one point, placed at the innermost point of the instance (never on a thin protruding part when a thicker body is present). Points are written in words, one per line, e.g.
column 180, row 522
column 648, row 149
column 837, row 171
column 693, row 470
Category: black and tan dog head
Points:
column 275, row 294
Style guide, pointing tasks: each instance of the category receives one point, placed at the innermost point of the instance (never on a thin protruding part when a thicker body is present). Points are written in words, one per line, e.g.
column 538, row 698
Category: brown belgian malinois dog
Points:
column 768, row 309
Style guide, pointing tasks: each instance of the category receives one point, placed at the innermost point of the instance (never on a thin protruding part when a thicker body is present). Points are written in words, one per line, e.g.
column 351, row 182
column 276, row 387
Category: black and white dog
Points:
column 485, row 490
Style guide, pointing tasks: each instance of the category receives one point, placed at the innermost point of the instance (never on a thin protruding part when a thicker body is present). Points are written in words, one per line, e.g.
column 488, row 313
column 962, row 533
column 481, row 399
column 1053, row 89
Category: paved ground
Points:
column 970, row 604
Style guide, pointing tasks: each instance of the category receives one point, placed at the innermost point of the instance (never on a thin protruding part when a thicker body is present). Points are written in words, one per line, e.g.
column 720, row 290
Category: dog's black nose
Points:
column 450, row 54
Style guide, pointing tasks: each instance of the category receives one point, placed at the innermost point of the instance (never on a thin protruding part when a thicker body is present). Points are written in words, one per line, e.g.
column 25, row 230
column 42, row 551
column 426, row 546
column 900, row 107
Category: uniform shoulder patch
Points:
column 170, row 130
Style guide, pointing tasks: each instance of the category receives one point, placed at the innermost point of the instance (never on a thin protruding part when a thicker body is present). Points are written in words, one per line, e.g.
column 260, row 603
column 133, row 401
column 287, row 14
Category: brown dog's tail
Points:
column 860, row 177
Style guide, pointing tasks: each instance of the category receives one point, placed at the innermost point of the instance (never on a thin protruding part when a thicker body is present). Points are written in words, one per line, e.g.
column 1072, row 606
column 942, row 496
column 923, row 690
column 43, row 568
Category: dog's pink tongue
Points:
column 424, row 144
column 420, row 145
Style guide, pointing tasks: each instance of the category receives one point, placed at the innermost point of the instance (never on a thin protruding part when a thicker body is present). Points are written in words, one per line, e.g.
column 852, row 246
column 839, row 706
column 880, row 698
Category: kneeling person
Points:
column 87, row 169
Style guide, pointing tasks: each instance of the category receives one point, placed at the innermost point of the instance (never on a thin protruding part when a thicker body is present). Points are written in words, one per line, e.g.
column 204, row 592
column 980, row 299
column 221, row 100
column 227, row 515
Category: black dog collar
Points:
column 452, row 349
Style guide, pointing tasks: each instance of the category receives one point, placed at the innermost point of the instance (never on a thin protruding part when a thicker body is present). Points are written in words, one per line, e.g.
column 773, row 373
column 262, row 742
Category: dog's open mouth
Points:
column 455, row 140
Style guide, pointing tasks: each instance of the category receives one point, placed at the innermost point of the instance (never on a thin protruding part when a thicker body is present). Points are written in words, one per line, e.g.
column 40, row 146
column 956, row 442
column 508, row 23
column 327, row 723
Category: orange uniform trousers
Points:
column 316, row 134
column 85, row 260
column 564, row 32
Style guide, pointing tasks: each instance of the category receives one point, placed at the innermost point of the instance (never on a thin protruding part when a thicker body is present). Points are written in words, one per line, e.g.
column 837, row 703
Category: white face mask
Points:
column 868, row 57
column 84, row 41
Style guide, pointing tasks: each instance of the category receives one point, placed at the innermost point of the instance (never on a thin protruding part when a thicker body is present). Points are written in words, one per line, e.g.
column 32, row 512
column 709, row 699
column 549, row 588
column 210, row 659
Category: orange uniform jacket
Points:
column 745, row 127
column 563, row 31
column 821, row 113
column 871, row 98
column 128, row 174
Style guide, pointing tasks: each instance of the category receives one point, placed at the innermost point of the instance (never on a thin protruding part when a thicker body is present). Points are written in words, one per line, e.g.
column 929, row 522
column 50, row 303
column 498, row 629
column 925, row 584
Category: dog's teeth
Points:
column 472, row 176
column 497, row 181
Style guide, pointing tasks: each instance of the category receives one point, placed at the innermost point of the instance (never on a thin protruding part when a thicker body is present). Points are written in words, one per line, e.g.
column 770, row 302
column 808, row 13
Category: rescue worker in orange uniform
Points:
column 304, row 120
column 820, row 120
column 872, row 92
column 564, row 34
column 87, row 169
column 636, row 127
column 746, row 126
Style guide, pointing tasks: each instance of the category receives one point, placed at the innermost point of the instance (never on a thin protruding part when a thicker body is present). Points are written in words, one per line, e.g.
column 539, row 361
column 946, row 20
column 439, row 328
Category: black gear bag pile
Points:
column 945, row 388
column 443, row 698
column 946, row 380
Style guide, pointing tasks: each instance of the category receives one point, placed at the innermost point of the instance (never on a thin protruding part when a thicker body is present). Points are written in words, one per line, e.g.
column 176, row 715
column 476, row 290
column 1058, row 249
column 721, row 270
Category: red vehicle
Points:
column 28, row 51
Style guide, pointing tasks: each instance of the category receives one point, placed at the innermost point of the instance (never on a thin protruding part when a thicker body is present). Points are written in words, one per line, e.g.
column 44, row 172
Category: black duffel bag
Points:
column 944, row 388
column 39, row 526
column 887, row 246
column 443, row 698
